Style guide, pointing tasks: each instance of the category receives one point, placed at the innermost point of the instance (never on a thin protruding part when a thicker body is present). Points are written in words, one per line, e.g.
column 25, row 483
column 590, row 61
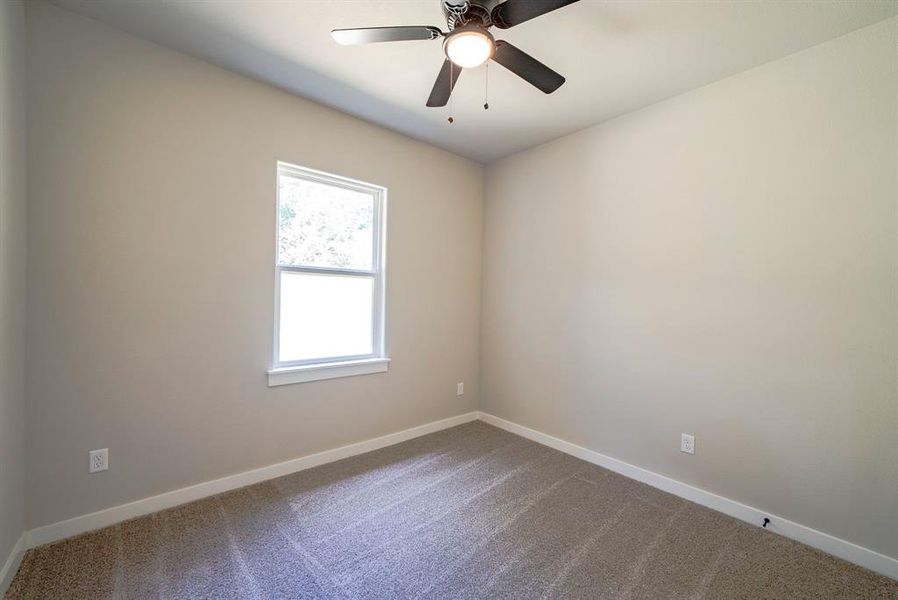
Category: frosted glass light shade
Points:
column 470, row 48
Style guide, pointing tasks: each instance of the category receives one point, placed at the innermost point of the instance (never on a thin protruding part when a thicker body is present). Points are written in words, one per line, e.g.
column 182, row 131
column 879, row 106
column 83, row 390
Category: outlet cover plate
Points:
column 99, row 460
column 687, row 443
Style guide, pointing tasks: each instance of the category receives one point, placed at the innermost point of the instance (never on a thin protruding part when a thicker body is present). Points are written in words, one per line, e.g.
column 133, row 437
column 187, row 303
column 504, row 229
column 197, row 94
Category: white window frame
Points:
column 298, row 371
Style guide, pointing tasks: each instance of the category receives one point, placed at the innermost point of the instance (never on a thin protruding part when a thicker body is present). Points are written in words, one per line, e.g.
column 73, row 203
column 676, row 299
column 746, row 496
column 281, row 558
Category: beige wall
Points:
column 724, row 263
column 151, row 281
column 12, row 274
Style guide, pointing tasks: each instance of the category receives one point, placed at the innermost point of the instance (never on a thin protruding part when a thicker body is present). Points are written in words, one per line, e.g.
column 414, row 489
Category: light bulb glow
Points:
column 470, row 48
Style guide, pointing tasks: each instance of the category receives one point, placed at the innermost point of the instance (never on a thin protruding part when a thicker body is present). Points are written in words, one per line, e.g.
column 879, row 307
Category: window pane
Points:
column 325, row 316
column 322, row 225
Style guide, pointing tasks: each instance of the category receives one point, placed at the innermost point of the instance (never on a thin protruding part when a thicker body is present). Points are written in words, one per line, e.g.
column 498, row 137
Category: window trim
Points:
column 297, row 371
column 319, row 371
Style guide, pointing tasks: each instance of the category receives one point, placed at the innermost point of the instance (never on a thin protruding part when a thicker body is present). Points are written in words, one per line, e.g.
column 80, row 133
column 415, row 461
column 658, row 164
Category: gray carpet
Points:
column 470, row 512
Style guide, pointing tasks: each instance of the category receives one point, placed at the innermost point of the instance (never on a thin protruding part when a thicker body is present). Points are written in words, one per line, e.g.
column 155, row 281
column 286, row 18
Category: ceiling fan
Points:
column 468, row 43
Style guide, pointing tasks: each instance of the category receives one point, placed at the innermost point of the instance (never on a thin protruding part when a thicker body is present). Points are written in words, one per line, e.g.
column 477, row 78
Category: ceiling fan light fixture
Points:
column 469, row 43
column 469, row 47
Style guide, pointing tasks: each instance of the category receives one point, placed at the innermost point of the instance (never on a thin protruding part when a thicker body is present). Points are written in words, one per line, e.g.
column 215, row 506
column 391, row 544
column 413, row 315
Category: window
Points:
column 329, row 277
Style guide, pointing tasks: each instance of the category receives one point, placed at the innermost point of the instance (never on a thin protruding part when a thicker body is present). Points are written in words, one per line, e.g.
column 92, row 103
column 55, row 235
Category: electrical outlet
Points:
column 687, row 443
column 460, row 388
column 99, row 460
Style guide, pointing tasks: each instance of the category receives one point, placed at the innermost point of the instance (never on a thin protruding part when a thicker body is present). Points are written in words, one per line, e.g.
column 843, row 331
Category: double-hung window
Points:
column 329, row 313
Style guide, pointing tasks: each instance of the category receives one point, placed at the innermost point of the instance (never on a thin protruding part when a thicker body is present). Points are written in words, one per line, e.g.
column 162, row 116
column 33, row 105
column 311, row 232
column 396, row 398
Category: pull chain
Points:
column 486, row 92
column 451, row 86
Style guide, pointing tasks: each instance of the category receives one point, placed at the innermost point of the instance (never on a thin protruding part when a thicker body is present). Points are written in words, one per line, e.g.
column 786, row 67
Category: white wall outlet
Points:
column 687, row 443
column 99, row 460
column 460, row 388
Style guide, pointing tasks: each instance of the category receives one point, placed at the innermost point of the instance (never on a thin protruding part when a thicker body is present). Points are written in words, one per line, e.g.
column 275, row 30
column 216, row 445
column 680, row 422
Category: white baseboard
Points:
column 117, row 514
column 858, row 555
column 12, row 563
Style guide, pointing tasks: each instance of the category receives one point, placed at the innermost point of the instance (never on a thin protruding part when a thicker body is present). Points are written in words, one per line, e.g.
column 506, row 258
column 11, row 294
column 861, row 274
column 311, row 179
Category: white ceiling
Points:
column 617, row 56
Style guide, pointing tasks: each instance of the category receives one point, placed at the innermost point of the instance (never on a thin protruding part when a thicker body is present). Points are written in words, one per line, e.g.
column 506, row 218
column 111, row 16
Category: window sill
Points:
column 304, row 373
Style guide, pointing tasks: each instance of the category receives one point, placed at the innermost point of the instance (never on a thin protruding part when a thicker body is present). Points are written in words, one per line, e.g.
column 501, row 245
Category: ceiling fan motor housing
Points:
column 460, row 13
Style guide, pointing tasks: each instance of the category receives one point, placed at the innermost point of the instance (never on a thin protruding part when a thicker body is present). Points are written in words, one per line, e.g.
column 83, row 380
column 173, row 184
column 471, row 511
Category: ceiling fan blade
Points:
column 369, row 35
column 514, row 12
column 442, row 87
column 526, row 67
